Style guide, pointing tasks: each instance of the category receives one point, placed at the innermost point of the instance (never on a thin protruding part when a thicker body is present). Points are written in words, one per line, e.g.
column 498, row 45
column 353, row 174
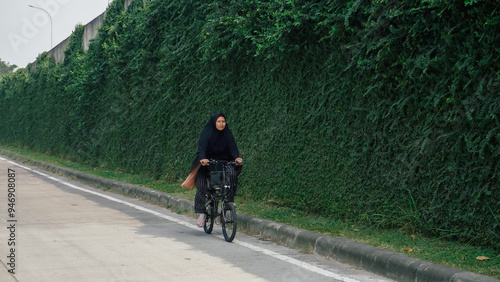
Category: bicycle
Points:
column 219, row 189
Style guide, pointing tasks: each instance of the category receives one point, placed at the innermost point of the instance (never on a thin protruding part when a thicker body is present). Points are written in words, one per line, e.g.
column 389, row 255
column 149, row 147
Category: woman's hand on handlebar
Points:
column 239, row 161
column 204, row 162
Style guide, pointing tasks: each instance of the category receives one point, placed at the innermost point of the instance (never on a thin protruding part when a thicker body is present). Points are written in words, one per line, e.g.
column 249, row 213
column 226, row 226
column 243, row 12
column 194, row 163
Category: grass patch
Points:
column 453, row 254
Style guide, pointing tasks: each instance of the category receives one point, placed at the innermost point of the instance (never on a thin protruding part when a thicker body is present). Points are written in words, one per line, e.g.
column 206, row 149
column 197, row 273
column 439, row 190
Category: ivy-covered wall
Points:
column 380, row 111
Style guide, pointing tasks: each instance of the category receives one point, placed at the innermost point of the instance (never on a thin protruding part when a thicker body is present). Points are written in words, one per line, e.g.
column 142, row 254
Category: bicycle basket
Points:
column 216, row 178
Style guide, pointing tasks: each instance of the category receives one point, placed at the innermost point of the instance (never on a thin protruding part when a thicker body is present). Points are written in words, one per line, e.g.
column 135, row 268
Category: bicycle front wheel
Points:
column 229, row 221
column 209, row 218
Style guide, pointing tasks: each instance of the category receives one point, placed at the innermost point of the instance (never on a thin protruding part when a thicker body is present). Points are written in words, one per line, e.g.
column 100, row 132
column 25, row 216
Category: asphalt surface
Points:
column 64, row 230
column 388, row 264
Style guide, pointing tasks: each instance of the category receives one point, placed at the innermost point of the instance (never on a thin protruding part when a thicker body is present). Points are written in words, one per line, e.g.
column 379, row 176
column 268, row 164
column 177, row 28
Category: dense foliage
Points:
column 6, row 68
column 379, row 111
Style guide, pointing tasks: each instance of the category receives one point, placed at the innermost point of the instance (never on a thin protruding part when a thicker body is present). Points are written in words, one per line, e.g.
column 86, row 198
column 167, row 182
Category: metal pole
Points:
column 51, row 26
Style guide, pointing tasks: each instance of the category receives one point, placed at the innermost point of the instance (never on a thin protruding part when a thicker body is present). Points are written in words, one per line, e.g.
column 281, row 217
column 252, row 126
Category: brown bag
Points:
column 191, row 179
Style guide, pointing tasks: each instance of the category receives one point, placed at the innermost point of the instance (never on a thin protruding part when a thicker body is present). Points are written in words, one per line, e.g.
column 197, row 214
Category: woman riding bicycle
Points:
column 216, row 142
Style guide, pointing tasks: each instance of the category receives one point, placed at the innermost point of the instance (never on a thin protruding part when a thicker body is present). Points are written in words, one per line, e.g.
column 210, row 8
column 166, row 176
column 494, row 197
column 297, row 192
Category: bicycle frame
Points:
column 219, row 192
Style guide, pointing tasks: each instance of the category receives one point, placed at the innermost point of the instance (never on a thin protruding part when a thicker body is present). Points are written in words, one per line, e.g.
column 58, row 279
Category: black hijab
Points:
column 216, row 144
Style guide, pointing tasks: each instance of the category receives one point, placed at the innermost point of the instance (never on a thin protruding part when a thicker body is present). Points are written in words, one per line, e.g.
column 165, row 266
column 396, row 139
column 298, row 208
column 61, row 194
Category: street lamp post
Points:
column 51, row 27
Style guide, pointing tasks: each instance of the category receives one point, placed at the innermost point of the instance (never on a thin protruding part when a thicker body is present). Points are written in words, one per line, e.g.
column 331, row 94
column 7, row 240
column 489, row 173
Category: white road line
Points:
column 296, row 262
column 287, row 259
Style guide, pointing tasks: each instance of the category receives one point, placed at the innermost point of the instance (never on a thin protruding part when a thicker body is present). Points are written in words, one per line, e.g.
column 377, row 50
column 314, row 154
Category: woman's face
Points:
column 220, row 124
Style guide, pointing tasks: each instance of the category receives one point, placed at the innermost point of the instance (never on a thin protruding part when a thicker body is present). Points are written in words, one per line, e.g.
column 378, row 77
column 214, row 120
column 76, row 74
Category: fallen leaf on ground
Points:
column 412, row 236
column 482, row 258
column 409, row 249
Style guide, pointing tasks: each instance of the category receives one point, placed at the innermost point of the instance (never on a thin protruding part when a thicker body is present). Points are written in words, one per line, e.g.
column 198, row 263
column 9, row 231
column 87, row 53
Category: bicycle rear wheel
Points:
column 209, row 218
column 229, row 222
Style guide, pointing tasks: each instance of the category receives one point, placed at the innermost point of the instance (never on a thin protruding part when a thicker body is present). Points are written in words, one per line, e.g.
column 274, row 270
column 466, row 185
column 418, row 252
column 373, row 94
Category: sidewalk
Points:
column 390, row 264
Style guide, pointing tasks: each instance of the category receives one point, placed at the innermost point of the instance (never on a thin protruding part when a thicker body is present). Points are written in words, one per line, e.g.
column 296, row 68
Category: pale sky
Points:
column 25, row 32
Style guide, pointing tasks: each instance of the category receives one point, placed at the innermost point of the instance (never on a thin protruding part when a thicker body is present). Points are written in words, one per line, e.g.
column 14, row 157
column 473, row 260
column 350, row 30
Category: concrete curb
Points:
column 390, row 264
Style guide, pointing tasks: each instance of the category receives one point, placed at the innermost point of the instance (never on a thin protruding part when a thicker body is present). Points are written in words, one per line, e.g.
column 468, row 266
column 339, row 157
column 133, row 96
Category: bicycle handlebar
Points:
column 214, row 162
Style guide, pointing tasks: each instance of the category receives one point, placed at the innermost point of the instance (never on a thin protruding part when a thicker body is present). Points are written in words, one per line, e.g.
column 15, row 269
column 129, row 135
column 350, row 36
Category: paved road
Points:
column 66, row 231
